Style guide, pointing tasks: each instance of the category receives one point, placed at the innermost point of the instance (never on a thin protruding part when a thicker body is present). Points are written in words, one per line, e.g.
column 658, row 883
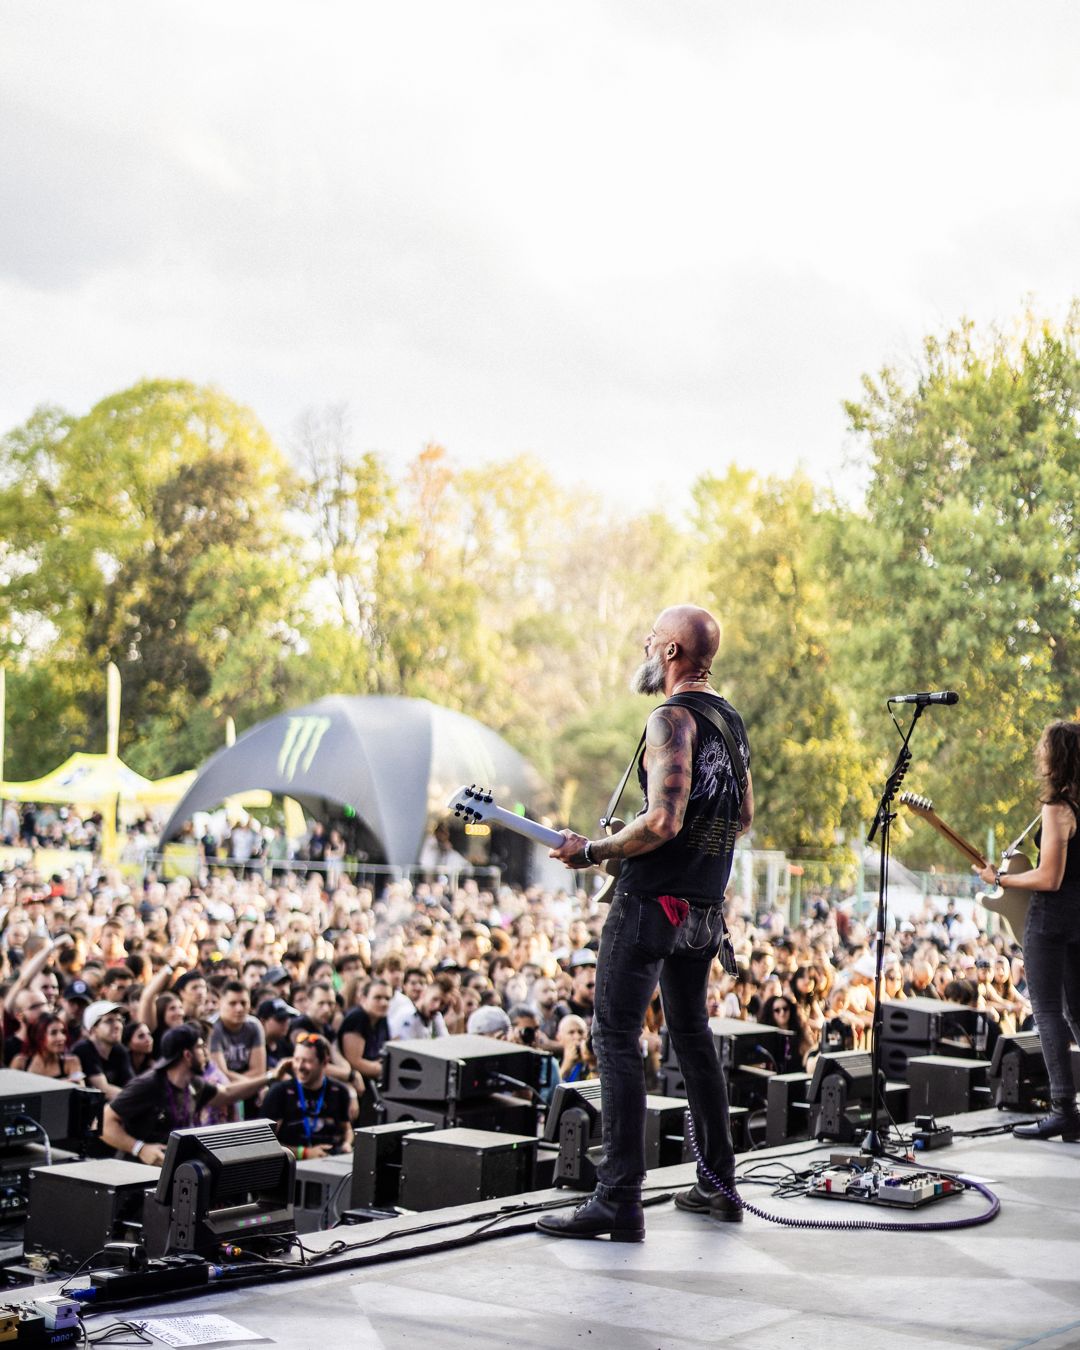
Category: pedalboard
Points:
column 903, row 1187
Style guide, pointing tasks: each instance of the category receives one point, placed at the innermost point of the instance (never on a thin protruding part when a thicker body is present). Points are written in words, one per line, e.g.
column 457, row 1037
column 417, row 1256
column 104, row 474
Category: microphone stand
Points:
column 873, row 1143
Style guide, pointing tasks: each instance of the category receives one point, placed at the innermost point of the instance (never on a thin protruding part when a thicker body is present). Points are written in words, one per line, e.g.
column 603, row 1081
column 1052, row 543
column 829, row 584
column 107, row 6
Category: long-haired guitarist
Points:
column 665, row 923
column 1052, row 929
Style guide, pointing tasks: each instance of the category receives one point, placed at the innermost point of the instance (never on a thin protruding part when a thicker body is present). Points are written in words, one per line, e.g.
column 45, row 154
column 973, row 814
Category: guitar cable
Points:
column 857, row 1225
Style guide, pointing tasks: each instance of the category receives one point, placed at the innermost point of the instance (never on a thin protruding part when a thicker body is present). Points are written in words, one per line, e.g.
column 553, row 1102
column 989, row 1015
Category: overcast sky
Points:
column 639, row 240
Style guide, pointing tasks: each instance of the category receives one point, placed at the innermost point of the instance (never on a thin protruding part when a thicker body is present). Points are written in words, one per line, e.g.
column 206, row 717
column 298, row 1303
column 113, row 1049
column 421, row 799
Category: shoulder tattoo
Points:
column 669, row 727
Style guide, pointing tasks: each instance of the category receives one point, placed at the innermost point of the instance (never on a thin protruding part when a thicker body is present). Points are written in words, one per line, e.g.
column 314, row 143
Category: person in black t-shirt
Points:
column 319, row 1021
column 666, row 923
column 364, row 1031
column 170, row 1096
column 105, row 1062
column 310, row 1114
column 275, row 1015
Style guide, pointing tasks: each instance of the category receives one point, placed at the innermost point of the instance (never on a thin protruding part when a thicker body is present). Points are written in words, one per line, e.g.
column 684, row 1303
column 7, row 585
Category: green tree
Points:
column 771, row 578
column 150, row 532
column 962, row 573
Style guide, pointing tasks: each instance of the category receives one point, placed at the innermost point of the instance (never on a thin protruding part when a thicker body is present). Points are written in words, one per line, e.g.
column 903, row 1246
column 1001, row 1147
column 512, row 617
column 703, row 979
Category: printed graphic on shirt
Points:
column 712, row 770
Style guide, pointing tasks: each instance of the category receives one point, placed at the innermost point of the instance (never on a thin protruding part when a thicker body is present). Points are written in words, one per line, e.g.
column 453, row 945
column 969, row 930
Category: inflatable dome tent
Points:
column 382, row 766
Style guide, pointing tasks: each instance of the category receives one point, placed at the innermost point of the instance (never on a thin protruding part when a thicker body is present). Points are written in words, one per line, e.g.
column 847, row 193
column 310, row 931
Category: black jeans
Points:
column 1052, row 965
column 638, row 947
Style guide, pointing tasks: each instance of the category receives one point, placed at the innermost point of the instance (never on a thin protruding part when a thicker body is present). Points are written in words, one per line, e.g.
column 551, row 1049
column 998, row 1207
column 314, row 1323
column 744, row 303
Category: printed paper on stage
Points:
column 200, row 1329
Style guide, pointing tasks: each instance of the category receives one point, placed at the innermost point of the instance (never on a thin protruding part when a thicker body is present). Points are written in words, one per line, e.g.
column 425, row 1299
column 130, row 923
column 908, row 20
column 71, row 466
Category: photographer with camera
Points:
column 525, row 1030
column 578, row 1060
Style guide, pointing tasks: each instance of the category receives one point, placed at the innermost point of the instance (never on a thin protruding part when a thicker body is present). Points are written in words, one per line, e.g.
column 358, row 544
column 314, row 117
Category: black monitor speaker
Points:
column 575, row 1123
column 841, row 1094
column 1018, row 1074
column 855, row 1067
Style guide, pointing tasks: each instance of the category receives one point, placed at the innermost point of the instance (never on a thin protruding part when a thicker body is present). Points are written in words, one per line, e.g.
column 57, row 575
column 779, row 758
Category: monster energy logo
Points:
column 302, row 739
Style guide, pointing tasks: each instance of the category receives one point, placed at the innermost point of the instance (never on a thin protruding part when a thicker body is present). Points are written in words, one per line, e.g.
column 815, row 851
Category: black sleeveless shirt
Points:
column 696, row 864
column 1070, row 881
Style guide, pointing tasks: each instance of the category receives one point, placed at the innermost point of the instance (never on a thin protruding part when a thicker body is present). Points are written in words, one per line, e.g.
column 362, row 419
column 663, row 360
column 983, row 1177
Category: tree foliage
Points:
column 770, row 579
column 165, row 531
column 962, row 573
column 150, row 532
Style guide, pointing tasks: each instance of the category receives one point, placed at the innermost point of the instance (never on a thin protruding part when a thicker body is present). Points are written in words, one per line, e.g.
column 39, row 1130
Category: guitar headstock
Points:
column 471, row 804
column 922, row 806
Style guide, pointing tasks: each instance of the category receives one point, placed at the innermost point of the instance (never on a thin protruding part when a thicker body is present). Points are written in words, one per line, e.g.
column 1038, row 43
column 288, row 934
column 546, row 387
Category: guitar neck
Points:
column 970, row 852
column 531, row 829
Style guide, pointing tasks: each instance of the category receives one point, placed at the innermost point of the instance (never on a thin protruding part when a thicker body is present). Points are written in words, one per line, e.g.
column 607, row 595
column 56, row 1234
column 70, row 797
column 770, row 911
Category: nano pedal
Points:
column 33, row 1331
column 59, row 1313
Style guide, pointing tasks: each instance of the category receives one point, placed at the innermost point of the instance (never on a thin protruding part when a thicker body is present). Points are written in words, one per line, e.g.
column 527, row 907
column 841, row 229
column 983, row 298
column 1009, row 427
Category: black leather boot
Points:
column 1065, row 1122
column 620, row 1220
column 716, row 1204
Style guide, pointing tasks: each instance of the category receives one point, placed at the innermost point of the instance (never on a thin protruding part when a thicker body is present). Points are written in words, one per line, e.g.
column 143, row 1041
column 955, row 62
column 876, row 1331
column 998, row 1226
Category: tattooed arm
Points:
column 669, row 753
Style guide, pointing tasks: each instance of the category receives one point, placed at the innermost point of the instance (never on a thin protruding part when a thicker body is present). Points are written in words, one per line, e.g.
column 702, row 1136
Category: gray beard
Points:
column 649, row 676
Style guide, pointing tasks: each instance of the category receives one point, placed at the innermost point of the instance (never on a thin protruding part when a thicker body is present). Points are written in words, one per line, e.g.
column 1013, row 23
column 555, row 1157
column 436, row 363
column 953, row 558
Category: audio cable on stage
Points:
column 860, row 1225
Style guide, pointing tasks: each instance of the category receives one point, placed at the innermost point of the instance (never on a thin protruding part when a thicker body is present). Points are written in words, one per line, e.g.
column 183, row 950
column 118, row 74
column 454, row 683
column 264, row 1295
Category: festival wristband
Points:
column 587, row 853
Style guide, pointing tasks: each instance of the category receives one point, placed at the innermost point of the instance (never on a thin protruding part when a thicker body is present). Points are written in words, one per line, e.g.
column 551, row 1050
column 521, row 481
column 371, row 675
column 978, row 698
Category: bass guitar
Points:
column 1010, row 905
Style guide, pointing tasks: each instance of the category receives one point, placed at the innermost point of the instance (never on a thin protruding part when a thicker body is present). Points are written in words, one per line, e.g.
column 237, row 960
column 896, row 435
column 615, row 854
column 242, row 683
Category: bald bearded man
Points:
column 665, row 923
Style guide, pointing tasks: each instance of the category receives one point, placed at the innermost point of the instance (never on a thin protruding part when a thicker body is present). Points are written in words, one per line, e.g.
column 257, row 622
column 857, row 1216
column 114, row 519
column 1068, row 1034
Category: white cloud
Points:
column 634, row 239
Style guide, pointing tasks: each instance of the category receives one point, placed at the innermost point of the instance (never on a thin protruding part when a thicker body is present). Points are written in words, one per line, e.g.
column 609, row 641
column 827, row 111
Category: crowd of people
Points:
column 193, row 1002
column 32, row 825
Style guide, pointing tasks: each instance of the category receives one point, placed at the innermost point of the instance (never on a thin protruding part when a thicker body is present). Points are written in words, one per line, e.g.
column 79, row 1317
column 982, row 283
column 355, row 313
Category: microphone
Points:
column 924, row 700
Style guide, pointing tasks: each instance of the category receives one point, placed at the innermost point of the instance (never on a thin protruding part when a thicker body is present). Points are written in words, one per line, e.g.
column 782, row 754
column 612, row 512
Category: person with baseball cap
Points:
column 105, row 1062
column 171, row 1095
column 276, row 1015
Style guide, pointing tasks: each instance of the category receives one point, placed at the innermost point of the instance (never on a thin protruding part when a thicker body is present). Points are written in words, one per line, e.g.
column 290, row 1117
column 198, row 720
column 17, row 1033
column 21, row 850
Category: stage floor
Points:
column 757, row 1286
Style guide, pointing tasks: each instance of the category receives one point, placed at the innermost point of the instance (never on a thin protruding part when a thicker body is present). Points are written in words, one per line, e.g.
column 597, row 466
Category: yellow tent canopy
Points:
column 166, row 791
column 96, row 779
column 88, row 779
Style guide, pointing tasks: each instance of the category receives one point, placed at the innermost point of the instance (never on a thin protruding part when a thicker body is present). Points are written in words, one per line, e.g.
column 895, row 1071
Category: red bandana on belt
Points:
column 675, row 909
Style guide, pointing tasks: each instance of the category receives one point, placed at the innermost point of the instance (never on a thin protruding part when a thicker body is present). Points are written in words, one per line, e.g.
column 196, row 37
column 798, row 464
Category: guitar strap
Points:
column 1014, row 846
column 697, row 704
column 616, row 796
column 711, row 714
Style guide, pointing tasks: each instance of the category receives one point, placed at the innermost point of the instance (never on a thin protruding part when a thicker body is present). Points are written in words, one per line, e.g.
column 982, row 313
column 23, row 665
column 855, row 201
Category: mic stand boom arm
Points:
column 883, row 820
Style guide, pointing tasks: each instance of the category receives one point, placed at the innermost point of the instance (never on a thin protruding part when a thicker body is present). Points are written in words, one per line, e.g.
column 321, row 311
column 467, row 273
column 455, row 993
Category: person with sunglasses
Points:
column 310, row 1113
column 783, row 1013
